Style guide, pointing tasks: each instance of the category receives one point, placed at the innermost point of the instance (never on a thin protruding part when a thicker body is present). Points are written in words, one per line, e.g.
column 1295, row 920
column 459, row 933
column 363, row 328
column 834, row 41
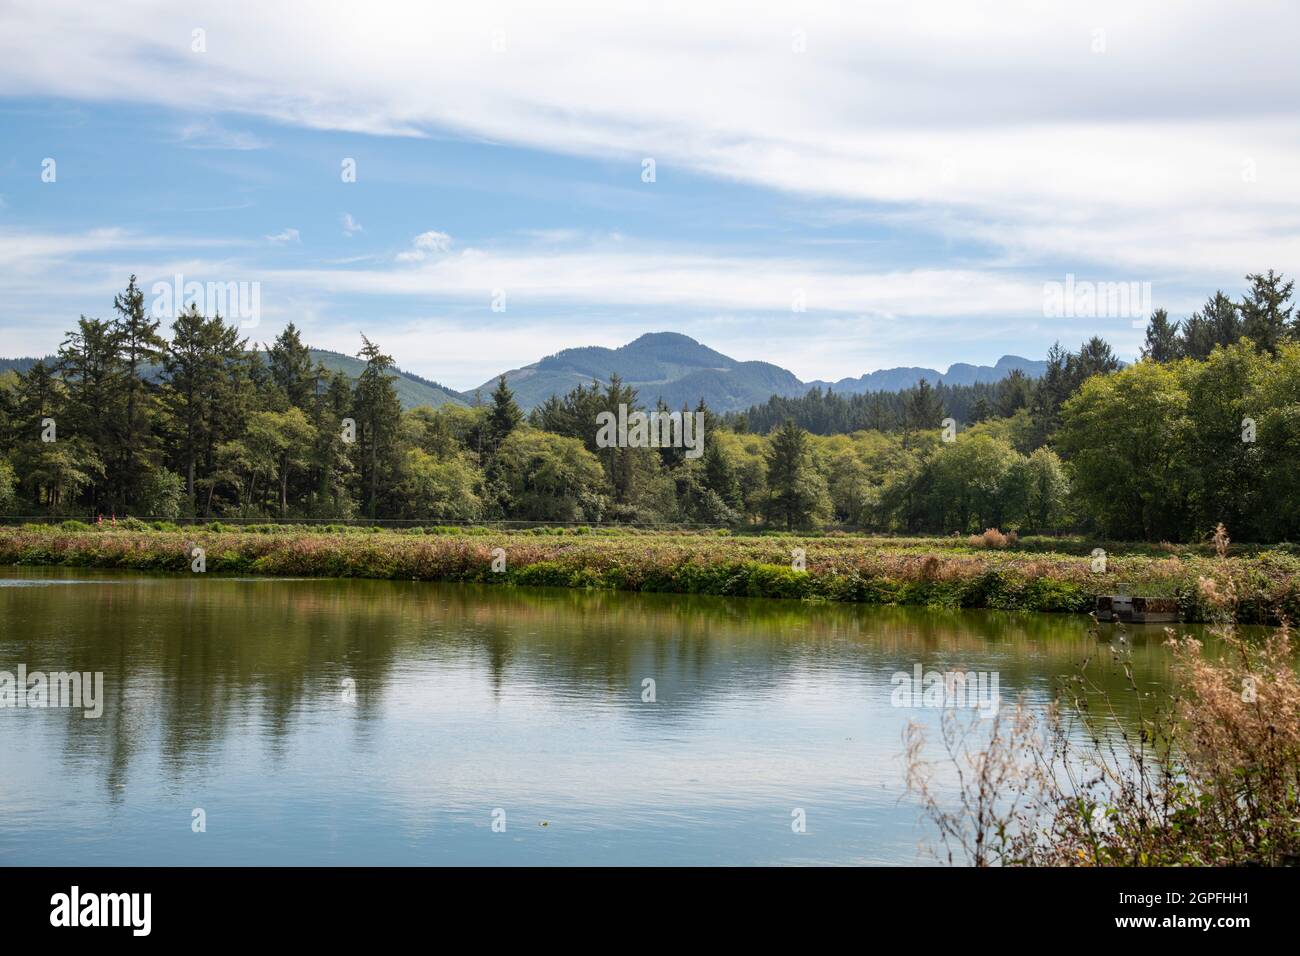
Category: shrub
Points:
column 991, row 538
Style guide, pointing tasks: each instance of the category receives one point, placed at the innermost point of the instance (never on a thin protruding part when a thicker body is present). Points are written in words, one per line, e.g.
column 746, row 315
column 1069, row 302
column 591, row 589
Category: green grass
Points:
column 1035, row 574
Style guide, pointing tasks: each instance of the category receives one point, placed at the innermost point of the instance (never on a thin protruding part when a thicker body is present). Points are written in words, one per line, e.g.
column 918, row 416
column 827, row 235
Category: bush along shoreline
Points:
column 926, row 572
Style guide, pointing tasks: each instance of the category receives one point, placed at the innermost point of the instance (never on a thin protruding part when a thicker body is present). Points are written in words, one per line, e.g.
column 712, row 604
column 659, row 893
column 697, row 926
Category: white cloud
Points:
column 285, row 235
column 350, row 225
column 206, row 134
column 856, row 319
column 994, row 120
column 425, row 245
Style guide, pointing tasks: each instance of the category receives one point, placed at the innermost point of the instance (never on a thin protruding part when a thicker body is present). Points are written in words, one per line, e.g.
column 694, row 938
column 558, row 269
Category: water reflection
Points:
column 382, row 722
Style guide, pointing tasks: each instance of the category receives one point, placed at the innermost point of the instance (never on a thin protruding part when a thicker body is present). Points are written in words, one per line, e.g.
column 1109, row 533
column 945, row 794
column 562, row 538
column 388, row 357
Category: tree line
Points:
column 202, row 424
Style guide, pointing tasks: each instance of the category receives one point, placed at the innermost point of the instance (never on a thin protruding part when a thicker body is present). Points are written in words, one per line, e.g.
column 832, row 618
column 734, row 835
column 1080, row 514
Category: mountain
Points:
column 664, row 365
column 22, row 365
column 894, row 379
column 412, row 390
column 680, row 370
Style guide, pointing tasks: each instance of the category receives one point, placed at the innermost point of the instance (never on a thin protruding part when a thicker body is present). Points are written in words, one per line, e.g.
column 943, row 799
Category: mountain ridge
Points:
column 663, row 365
column 681, row 371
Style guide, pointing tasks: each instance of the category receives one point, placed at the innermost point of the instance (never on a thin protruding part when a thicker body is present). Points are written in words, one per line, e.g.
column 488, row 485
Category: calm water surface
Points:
column 378, row 722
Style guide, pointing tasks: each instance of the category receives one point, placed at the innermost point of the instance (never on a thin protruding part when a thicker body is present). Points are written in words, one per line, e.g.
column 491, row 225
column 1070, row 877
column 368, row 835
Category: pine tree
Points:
column 139, row 345
column 92, row 374
column 797, row 493
column 1095, row 357
column 505, row 415
column 719, row 476
column 378, row 412
column 291, row 369
column 204, row 366
column 923, row 409
column 1162, row 338
column 1263, row 319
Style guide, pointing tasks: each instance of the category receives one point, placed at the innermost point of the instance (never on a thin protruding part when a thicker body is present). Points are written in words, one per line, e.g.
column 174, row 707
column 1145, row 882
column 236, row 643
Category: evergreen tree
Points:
column 291, row 370
column 796, row 492
column 377, row 413
column 719, row 476
column 1264, row 320
column 505, row 415
column 93, row 411
column 201, row 392
column 923, row 409
column 139, row 346
column 1162, row 338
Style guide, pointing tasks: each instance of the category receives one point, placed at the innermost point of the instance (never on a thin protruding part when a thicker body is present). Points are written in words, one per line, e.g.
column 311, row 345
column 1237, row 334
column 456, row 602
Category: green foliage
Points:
column 1155, row 451
column 797, row 493
column 161, row 493
column 8, row 486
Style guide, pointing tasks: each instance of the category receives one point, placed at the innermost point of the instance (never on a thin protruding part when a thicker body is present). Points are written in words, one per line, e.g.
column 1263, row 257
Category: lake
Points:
column 381, row 722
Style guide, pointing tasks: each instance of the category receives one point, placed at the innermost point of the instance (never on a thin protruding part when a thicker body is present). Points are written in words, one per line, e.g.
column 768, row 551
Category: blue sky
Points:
column 914, row 177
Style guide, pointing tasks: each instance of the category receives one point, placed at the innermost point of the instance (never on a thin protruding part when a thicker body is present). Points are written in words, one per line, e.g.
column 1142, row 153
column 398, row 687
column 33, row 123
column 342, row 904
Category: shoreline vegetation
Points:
column 1206, row 778
column 989, row 571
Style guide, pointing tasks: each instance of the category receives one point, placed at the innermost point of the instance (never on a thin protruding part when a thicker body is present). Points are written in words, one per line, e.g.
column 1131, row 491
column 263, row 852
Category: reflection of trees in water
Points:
column 203, row 658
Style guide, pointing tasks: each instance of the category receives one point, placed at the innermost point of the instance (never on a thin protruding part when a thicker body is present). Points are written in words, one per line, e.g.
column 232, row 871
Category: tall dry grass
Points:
column 1209, row 776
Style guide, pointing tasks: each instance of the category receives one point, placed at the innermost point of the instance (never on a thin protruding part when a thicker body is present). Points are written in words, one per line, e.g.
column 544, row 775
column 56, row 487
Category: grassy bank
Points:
column 1037, row 575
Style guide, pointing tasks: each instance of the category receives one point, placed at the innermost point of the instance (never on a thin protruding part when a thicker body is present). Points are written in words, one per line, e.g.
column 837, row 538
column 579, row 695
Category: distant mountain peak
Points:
column 682, row 371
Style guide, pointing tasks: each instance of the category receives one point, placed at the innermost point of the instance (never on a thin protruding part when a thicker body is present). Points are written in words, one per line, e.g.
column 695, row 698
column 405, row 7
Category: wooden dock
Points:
column 1132, row 609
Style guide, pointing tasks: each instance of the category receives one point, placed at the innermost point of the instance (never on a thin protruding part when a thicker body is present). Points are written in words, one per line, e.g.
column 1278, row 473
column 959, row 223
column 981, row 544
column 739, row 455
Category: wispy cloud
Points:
column 286, row 235
column 207, row 134
column 425, row 245
column 1010, row 123
column 350, row 226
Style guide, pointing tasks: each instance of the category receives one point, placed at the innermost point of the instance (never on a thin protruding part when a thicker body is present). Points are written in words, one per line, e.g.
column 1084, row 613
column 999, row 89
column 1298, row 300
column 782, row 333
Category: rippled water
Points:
column 384, row 722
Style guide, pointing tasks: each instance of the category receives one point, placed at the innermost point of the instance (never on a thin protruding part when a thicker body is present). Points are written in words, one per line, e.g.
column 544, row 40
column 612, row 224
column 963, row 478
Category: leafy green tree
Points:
column 331, row 468
column 1050, row 393
column 1218, row 323
column 280, row 443
column 1224, row 483
column 970, row 482
column 1278, row 435
column 1093, row 358
column 57, row 472
column 439, row 489
column 161, row 493
column 550, row 478
column 923, row 410
column 1041, row 489
column 8, row 487
column 1124, row 436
